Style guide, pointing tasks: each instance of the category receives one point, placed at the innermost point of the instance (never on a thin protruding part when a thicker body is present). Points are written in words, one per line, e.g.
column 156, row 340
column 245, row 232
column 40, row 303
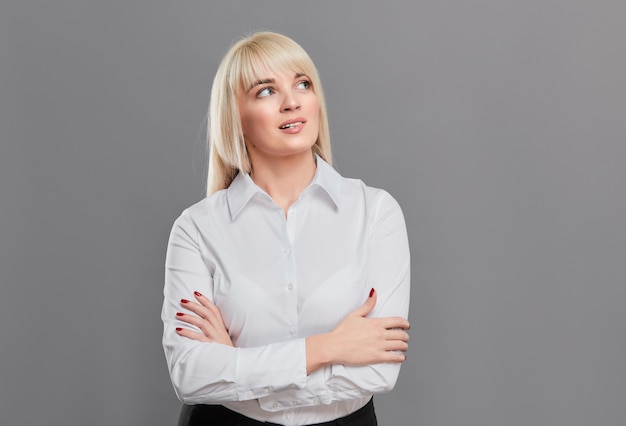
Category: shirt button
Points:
column 292, row 331
column 290, row 286
column 287, row 414
column 316, row 400
column 275, row 405
column 249, row 393
column 269, row 389
column 294, row 402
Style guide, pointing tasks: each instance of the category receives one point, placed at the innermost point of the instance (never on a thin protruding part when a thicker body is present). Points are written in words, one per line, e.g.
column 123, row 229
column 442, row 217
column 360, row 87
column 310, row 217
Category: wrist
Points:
column 319, row 351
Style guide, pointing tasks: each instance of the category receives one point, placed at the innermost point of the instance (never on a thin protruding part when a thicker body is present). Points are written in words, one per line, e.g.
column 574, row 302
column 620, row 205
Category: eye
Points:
column 266, row 91
column 304, row 84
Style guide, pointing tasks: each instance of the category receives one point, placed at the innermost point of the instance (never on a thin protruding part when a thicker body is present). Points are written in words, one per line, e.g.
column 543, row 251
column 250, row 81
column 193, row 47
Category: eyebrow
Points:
column 260, row 82
column 271, row 80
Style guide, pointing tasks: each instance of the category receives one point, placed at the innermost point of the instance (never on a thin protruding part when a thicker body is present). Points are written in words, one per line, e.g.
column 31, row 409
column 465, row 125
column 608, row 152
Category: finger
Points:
column 202, row 311
column 396, row 334
column 366, row 307
column 394, row 322
column 395, row 357
column 211, row 331
column 195, row 308
column 395, row 345
column 392, row 356
column 194, row 335
column 214, row 310
column 190, row 319
column 202, row 323
column 202, row 299
column 212, row 307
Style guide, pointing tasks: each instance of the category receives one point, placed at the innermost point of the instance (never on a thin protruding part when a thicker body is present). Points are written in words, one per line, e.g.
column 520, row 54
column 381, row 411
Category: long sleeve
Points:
column 389, row 274
column 211, row 372
column 276, row 281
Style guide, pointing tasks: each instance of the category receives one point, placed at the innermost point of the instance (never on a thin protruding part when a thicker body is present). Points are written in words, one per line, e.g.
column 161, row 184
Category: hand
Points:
column 207, row 318
column 358, row 340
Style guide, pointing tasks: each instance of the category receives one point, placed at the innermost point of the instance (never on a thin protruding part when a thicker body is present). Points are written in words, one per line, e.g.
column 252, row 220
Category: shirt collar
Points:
column 240, row 192
column 243, row 188
column 328, row 179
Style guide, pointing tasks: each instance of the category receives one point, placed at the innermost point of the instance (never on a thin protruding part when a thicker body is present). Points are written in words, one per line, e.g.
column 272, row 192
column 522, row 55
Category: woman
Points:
column 287, row 288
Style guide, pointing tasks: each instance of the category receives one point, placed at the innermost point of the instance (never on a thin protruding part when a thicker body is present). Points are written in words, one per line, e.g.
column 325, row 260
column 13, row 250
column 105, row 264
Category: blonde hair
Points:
column 240, row 68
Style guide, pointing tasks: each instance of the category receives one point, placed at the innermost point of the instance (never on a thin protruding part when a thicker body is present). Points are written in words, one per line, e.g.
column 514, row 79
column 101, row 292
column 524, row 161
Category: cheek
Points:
column 314, row 109
column 247, row 117
column 248, row 124
column 244, row 125
column 315, row 114
column 254, row 122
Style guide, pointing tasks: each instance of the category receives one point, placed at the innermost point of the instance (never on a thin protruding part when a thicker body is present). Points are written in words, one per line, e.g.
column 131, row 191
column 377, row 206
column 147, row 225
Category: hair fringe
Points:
column 239, row 68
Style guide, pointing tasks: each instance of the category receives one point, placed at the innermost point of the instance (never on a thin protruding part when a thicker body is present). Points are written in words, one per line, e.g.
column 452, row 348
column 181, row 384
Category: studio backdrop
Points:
column 499, row 126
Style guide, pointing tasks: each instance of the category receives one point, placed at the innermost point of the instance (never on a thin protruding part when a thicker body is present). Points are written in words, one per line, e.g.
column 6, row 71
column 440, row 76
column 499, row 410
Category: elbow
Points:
column 183, row 392
column 190, row 389
column 189, row 398
column 181, row 384
column 389, row 384
column 194, row 385
column 386, row 378
column 357, row 382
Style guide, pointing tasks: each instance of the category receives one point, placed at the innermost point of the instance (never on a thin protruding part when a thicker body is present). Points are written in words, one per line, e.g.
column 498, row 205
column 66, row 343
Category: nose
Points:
column 290, row 102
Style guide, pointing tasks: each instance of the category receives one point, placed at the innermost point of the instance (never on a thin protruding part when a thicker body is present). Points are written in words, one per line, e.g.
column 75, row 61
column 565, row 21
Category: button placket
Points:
column 290, row 276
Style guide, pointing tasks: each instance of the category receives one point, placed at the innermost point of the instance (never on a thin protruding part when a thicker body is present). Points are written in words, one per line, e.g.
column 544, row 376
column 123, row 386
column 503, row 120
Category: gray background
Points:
column 498, row 125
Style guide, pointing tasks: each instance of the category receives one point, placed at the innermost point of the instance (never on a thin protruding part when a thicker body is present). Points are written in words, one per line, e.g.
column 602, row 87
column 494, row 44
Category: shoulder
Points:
column 377, row 206
column 211, row 209
column 376, row 199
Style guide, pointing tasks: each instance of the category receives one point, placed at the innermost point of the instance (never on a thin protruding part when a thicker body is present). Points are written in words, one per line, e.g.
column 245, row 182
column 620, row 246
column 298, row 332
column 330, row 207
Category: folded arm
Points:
column 360, row 357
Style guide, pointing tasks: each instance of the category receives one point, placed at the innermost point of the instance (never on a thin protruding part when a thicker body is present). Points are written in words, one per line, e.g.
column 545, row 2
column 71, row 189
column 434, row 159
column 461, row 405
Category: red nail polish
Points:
column 372, row 292
column 197, row 293
column 179, row 329
column 184, row 301
column 179, row 314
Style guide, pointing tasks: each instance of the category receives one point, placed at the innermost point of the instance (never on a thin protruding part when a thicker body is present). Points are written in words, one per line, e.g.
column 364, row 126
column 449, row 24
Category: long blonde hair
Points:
column 239, row 69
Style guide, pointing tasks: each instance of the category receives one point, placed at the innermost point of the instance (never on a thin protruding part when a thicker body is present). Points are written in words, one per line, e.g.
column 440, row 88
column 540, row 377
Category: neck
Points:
column 284, row 178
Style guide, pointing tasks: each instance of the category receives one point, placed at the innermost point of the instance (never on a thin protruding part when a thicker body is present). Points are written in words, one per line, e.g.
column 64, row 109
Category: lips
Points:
column 292, row 124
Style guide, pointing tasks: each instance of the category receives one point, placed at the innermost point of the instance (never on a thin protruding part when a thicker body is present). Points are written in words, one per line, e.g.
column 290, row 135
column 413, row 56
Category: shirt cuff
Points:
column 315, row 393
column 265, row 370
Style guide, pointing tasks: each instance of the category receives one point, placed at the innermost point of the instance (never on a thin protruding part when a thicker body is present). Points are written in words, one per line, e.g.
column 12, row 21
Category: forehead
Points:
column 261, row 69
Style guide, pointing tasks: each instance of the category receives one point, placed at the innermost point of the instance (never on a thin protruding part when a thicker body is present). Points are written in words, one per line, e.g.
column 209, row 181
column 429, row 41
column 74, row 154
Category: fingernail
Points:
column 179, row 329
column 372, row 292
column 184, row 301
column 197, row 293
column 179, row 314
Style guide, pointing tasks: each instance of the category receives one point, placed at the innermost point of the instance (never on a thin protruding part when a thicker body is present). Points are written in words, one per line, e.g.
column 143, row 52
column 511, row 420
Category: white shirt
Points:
column 277, row 280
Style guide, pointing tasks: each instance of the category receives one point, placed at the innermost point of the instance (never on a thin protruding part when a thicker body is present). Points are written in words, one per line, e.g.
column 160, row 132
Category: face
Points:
column 279, row 115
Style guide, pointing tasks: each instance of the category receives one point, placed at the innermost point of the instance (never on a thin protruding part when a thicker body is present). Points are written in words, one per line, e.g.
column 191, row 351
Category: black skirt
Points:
column 218, row 415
